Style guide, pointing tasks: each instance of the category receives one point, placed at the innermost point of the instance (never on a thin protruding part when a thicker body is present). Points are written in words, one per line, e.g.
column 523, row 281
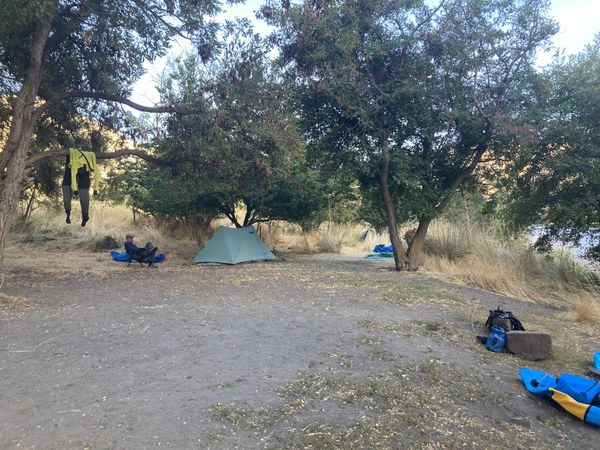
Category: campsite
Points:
column 318, row 224
column 312, row 350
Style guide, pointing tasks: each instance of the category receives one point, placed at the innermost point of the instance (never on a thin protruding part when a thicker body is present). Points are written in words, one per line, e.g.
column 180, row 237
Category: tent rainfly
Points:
column 233, row 246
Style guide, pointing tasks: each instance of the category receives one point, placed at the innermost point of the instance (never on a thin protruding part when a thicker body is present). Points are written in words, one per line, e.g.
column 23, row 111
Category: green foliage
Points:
column 556, row 180
column 469, row 209
column 299, row 198
column 241, row 154
column 409, row 97
column 156, row 192
column 99, row 45
column 94, row 50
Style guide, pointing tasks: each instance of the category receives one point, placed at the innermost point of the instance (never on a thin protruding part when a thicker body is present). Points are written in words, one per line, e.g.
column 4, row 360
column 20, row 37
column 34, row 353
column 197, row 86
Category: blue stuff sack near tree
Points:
column 496, row 340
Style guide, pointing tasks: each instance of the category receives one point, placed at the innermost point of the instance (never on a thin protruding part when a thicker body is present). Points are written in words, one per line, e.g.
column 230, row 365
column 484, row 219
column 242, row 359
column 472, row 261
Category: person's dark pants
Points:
column 84, row 201
column 148, row 249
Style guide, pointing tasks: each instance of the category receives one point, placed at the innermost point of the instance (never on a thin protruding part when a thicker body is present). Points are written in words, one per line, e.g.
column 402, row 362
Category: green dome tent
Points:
column 233, row 246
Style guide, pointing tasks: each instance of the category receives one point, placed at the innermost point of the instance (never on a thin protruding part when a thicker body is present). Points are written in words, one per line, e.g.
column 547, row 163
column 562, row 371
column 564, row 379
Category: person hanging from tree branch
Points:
column 77, row 182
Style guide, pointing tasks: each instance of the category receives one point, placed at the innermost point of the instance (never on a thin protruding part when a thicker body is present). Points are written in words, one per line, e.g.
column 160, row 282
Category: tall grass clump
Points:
column 371, row 239
column 451, row 242
column 334, row 236
column 350, row 238
column 477, row 258
column 284, row 237
column 328, row 238
column 587, row 309
column 46, row 227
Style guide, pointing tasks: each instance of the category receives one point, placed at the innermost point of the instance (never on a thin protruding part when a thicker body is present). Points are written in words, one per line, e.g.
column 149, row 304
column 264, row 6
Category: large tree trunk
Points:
column 13, row 158
column 413, row 253
column 397, row 247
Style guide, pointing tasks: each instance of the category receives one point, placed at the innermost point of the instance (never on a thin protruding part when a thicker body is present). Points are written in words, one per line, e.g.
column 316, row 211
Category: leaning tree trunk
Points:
column 413, row 253
column 397, row 247
column 30, row 203
column 13, row 158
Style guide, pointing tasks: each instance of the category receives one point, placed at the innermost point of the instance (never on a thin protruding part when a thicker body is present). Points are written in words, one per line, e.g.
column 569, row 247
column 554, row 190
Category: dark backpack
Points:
column 499, row 316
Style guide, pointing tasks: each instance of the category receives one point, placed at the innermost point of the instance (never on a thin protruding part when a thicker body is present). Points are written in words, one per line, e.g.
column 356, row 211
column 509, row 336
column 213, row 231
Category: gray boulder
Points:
column 532, row 345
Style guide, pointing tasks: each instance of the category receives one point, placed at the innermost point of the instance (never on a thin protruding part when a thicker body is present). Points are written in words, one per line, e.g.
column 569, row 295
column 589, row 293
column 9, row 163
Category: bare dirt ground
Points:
column 323, row 352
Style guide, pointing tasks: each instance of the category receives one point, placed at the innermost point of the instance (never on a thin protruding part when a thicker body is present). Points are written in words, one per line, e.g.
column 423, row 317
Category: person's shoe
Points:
column 84, row 221
column 68, row 219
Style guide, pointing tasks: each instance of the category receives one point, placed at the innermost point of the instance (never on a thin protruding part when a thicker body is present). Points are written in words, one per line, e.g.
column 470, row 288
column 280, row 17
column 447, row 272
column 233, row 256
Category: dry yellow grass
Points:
column 588, row 308
column 47, row 231
column 114, row 221
column 512, row 269
column 474, row 258
column 329, row 238
column 470, row 257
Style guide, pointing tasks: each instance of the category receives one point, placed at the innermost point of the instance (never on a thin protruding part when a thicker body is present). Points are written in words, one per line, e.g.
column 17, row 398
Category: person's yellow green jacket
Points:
column 86, row 160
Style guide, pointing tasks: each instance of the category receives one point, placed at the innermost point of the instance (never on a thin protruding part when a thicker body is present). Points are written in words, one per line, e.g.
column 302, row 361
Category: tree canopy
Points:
column 411, row 96
column 556, row 181
column 241, row 149
column 60, row 60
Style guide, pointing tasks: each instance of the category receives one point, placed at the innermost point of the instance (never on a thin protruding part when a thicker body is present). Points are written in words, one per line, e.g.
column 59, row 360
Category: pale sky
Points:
column 579, row 22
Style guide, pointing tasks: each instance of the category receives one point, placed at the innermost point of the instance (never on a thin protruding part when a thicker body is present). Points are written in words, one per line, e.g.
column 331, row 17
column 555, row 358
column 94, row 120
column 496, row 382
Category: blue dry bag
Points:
column 579, row 388
column 496, row 340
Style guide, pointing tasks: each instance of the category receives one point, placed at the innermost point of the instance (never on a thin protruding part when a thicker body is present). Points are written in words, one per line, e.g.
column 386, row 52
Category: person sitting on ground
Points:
column 143, row 254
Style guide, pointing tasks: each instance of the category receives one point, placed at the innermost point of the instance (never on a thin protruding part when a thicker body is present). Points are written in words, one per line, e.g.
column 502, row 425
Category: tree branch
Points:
column 113, row 98
column 64, row 28
column 32, row 160
column 468, row 171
